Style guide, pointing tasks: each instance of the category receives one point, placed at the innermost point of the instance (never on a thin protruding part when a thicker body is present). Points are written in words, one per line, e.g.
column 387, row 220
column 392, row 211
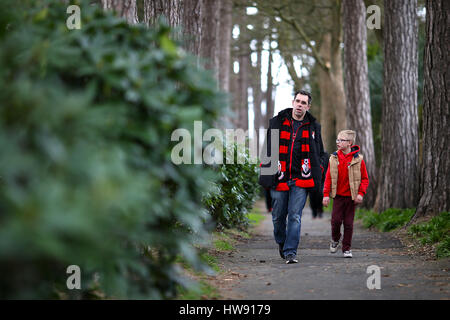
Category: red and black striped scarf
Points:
column 287, row 138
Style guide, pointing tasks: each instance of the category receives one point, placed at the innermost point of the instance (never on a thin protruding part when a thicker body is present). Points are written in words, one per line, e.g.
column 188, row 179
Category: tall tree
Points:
column 327, row 116
column 257, row 91
column 288, row 47
column 210, row 34
column 398, row 186
column 336, row 73
column 319, row 26
column 357, row 86
column 243, row 83
column 192, row 25
column 435, row 171
column 225, row 44
column 199, row 22
column 186, row 14
column 171, row 10
column 241, row 55
column 124, row 8
column 270, row 103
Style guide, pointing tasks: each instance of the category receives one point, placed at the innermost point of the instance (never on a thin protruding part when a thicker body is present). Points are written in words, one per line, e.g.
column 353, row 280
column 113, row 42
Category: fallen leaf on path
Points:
column 404, row 285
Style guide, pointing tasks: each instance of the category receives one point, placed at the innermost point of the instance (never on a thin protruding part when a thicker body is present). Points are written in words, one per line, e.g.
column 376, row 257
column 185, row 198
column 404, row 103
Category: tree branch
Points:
column 302, row 33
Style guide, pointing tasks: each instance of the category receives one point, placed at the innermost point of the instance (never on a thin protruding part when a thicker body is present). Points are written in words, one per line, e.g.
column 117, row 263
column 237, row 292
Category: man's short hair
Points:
column 304, row 93
column 350, row 134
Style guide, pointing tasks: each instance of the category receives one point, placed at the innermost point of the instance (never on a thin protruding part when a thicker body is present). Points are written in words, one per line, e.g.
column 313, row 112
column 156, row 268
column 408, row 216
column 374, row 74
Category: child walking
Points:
column 346, row 181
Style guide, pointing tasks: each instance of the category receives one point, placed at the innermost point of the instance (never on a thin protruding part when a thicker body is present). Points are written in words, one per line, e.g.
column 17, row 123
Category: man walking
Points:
column 300, row 166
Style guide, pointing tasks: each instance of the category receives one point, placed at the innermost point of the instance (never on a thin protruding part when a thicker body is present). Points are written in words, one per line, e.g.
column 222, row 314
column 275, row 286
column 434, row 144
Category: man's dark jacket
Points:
column 317, row 156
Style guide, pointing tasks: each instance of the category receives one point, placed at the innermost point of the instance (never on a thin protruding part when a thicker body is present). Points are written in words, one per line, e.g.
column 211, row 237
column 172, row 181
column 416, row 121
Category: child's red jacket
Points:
column 343, row 185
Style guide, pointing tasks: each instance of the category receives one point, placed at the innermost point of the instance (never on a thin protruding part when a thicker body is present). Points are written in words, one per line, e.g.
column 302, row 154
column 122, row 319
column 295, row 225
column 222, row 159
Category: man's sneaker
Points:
column 291, row 259
column 280, row 250
column 333, row 246
column 348, row 254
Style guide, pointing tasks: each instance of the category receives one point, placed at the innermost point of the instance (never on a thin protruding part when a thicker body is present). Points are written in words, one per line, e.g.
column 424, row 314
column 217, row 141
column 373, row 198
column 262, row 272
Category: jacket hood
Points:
column 354, row 151
column 288, row 113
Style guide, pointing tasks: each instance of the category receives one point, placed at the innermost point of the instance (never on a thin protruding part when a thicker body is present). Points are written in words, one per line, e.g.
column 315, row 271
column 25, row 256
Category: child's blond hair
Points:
column 350, row 134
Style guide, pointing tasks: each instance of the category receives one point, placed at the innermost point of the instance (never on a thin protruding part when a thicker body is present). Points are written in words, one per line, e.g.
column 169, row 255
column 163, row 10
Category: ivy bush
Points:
column 436, row 231
column 86, row 177
column 385, row 221
column 231, row 198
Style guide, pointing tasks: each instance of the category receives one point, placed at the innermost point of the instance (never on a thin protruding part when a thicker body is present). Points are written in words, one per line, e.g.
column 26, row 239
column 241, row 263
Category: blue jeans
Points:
column 288, row 204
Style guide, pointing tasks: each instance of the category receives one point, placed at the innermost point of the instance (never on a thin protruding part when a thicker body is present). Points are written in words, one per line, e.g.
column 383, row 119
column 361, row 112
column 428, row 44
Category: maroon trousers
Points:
column 343, row 212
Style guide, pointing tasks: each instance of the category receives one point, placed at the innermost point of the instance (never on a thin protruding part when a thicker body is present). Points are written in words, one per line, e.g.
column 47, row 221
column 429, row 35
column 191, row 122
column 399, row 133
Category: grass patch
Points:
column 201, row 291
column 226, row 239
column 222, row 241
column 210, row 261
column 434, row 232
column 198, row 287
column 206, row 261
column 223, row 245
column 385, row 221
column 255, row 216
column 238, row 234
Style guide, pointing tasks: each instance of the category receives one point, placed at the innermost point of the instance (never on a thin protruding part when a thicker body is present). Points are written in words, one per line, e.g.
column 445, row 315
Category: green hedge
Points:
column 86, row 177
column 230, row 199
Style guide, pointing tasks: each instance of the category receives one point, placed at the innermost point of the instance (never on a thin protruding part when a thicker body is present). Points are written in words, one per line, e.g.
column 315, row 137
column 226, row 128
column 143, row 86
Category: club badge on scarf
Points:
column 306, row 168
column 281, row 173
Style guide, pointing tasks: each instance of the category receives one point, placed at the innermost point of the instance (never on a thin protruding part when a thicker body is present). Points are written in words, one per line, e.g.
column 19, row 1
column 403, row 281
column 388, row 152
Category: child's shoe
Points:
column 348, row 254
column 333, row 246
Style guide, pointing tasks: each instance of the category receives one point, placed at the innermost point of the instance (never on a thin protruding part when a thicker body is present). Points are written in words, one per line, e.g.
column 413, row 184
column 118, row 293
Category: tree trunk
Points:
column 124, row 8
column 257, row 91
column 192, row 25
column 398, row 186
column 178, row 13
column 299, row 83
column 243, row 83
column 209, row 47
column 224, row 43
column 288, row 49
column 269, row 91
column 329, row 59
column 338, row 92
column 327, row 115
column 235, row 99
column 435, row 173
column 171, row 10
column 357, row 87
column 336, row 71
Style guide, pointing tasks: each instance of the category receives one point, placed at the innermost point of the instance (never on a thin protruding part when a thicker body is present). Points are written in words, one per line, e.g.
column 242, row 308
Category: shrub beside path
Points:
column 254, row 270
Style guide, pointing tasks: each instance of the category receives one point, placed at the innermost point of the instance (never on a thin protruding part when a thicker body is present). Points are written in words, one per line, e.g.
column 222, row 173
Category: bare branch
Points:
column 305, row 37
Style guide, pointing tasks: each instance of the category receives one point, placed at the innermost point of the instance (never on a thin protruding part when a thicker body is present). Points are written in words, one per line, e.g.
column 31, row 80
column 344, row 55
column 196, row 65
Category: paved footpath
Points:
column 256, row 271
